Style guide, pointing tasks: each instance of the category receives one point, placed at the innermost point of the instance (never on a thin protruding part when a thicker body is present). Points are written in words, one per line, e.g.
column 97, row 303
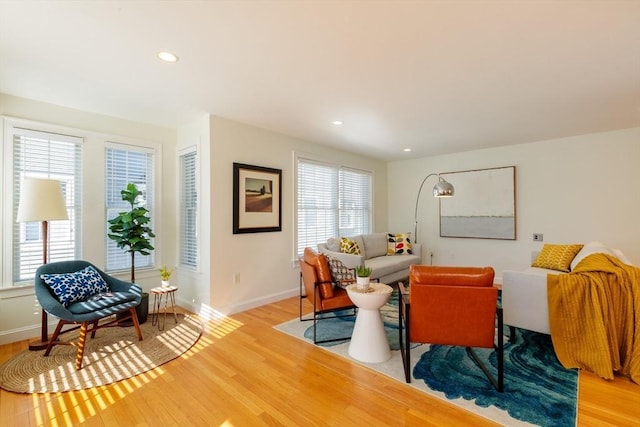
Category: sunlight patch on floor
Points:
column 218, row 324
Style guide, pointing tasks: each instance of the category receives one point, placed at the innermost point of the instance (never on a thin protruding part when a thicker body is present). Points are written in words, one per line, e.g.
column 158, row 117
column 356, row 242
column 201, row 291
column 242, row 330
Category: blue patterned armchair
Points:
column 77, row 292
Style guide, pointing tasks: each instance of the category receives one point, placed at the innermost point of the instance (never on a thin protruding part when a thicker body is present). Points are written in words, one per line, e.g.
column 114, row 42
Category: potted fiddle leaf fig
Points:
column 130, row 229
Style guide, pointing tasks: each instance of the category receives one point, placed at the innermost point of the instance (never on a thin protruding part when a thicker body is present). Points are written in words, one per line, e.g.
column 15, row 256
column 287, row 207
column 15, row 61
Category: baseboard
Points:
column 204, row 309
column 31, row 332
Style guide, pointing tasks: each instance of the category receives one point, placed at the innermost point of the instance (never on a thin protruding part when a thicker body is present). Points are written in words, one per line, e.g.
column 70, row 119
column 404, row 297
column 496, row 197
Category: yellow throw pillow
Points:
column 348, row 246
column 399, row 244
column 556, row 257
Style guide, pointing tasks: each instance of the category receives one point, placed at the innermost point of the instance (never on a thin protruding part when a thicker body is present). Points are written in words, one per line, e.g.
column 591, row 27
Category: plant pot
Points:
column 142, row 311
column 362, row 283
column 165, row 284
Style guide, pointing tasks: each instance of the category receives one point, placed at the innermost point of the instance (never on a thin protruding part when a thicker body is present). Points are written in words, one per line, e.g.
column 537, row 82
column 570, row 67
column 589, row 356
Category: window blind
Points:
column 332, row 202
column 355, row 202
column 51, row 156
column 124, row 165
column 188, row 210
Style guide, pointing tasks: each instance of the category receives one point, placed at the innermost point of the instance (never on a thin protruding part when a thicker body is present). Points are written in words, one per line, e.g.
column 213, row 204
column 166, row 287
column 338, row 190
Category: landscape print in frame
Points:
column 483, row 206
column 257, row 199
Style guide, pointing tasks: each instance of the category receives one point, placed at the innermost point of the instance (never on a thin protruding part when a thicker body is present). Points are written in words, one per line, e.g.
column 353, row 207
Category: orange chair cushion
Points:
column 340, row 299
column 323, row 274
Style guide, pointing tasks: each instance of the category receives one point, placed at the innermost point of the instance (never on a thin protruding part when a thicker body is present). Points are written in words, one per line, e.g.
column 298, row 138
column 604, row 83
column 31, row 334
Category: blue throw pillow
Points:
column 76, row 286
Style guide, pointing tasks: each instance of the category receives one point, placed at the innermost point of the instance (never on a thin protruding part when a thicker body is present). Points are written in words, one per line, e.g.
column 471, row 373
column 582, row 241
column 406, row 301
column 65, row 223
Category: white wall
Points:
column 573, row 190
column 194, row 284
column 263, row 261
column 19, row 310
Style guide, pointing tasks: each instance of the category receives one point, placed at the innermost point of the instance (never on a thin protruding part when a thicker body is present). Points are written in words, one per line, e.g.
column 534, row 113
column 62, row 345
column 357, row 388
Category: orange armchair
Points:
column 451, row 306
column 317, row 286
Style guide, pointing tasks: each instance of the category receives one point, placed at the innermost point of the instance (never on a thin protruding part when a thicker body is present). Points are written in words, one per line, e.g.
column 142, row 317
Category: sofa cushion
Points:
column 375, row 244
column 323, row 275
column 385, row 265
column 556, row 257
column 349, row 246
column 333, row 244
column 358, row 239
column 76, row 286
column 399, row 244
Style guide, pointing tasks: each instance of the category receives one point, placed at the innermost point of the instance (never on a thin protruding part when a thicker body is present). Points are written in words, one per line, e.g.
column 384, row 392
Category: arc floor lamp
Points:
column 41, row 200
column 442, row 188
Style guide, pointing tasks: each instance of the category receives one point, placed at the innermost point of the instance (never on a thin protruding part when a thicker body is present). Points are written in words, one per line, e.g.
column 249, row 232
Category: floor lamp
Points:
column 442, row 189
column 41, row 200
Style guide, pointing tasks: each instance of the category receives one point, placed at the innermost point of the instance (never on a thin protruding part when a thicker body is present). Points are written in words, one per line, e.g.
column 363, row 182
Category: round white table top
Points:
column 374, row 288
column 373, row 298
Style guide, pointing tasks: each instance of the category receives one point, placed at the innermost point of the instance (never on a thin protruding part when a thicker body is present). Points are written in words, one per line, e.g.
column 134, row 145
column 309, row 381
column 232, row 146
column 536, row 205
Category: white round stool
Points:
column 369, row 341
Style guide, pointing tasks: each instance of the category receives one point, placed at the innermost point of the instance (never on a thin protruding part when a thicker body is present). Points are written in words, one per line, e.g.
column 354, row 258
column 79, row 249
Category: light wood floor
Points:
column 242, row 372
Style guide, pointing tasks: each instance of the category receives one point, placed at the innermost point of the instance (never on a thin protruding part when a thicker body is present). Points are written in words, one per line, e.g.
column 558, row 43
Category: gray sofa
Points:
column 373, row 248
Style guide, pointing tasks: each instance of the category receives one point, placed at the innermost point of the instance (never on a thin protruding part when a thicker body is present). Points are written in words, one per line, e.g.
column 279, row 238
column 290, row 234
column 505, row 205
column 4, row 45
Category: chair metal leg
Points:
column 314, row 317
column 405, row 346
column 301, row 298
column 500, row 349
column 499, row 382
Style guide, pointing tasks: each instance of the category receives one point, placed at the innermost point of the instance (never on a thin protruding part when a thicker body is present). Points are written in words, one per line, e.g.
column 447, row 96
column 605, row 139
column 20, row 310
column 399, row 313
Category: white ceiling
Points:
column 436, row 76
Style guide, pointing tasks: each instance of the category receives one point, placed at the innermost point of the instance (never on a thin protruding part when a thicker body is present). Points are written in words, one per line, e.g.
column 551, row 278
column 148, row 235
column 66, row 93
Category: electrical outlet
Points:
column 537, row 237
column 236, row 278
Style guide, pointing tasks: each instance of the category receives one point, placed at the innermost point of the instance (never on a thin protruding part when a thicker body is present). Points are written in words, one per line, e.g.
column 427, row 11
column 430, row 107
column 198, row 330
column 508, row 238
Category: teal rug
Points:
column 538, row 390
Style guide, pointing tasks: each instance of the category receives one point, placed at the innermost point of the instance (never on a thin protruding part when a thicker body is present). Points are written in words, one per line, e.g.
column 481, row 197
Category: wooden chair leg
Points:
column 81, row 340
column 94, row 328
column 136, row 324
column 54, row 337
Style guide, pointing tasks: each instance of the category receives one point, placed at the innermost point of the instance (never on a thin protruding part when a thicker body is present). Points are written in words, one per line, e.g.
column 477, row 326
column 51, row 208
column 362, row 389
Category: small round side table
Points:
column 169, row 294
column 369, row 341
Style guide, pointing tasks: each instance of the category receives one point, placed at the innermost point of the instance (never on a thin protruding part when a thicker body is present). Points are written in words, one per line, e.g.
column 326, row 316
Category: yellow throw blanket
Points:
column 594, row 316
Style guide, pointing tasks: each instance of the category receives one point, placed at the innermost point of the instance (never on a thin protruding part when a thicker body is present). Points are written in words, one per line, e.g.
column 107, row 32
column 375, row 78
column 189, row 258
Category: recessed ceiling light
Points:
column 406, row 149
column 337, row 122
column 167, row 57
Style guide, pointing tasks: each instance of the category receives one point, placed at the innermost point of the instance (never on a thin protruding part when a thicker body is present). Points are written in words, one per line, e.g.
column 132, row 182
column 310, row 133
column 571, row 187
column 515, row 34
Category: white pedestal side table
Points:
column 369, row 341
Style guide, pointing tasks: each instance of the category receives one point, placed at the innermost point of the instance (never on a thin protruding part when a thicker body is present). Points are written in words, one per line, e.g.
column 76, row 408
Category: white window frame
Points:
column 338, row 229
column 13, row 127
column 184, row 259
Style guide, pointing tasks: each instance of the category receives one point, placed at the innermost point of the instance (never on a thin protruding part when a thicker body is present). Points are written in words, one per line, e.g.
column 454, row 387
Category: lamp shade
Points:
column 41, row 200
column 443, row 189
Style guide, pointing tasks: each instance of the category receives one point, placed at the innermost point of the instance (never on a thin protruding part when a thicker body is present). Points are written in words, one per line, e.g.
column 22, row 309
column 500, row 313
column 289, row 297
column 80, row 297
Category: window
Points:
column 51, row 156
column 188, row 210
column 127, row 164
column 332, row 201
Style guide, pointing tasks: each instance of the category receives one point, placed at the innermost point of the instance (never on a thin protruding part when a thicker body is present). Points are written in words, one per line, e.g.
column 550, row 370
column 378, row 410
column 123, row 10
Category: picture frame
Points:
column 257, row 199
column 484, row 205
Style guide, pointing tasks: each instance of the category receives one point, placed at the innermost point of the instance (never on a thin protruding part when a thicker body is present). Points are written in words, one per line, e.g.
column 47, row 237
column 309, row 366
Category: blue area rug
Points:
column 538, row 390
